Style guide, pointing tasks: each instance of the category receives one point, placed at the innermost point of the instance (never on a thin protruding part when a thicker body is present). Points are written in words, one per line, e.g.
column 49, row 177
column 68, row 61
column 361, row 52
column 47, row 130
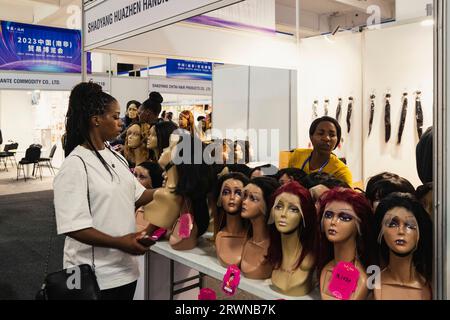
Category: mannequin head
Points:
column 405, row 228
column 325, row 134
column 159, row 136
column 256, row 198
column 292, row 210
column 151, row 108
column 229, row 194
column 241, row 151
column 319, row 182
column 345, row 215
column 149, row 174
column 186, row 121
column 383, row 184
column 202, row 122
column 264, row 170
column 134, row 136
column 424, row 156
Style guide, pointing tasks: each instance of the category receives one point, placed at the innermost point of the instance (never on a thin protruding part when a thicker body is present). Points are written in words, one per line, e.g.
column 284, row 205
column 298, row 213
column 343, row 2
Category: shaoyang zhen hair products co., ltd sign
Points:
column 113, row 20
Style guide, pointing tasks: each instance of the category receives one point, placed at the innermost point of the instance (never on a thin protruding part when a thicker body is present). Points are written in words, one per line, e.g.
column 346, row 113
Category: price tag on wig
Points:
column 344, row 280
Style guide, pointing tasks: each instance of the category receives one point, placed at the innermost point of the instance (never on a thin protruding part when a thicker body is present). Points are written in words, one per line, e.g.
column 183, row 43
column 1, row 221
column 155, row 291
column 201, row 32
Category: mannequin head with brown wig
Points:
column 346, row 235
column 186, row 121
column 293, row 239
column 135, row 150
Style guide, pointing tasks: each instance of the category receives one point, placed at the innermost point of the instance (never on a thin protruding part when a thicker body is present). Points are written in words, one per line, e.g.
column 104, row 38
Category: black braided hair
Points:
column 86, row 100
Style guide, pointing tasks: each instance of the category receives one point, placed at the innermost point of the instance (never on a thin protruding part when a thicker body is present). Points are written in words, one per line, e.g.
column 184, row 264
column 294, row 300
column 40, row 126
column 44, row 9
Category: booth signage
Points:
column 38, row 48
column 113, row 20
column 183, row 69
column 175, row 86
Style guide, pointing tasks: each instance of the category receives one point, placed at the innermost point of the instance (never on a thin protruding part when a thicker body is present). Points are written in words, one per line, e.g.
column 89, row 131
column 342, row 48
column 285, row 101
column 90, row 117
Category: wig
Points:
column 245, row 147
column 268, row 186
column 129, row 153
column 220, row 220
column 315, row 124
column 127, row 121
column 422, row 256
column 163, row 131
column 424, row 156
column 383, row 184
column 293, row 173
column 328, row 180
column 307, row 230
column 155, row 172
column 190, row 118
column 194, row 183
column 365, row 240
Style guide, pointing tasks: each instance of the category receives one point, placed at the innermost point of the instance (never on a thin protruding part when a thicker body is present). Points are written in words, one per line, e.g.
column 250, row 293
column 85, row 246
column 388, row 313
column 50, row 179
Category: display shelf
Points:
column 203, row 259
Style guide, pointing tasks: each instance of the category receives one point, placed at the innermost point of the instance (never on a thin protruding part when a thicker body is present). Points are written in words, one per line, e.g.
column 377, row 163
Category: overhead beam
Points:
column 387, row 9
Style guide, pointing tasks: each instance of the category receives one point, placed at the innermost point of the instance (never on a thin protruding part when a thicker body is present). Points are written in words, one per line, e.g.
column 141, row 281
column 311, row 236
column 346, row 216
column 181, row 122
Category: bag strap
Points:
column 89, row 204
column 50, row 242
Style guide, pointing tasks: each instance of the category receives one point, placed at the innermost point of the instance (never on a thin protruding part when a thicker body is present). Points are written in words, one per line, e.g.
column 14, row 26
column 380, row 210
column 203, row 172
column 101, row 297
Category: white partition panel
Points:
column 270, row 100
column 126, row 89
column 230, row 98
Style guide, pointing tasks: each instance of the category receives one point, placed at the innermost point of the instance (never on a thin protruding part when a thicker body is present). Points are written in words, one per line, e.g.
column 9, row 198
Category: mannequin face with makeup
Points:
column 143, row 177
column 400, row 230
column 231, row 195
column 134, row 137
column 152, row 141
column 284, row 179
column 183, row 121
column 253, row 202
column 132, row 111
column 339, row 222
column 287, row 213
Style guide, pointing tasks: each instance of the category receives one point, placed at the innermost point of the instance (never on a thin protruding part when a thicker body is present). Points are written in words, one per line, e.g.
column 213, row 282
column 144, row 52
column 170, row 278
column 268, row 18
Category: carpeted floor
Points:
column 26, row 221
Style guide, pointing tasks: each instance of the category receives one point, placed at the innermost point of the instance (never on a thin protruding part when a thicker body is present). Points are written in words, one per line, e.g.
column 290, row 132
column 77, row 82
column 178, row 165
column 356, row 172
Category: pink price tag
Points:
column 186, row 225
column 344, row 280
column 207, row 294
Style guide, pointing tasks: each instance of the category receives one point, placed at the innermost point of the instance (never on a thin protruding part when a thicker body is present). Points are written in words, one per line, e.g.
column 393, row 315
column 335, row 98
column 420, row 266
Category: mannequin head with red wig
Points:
column 292, row 211
column 345, row 215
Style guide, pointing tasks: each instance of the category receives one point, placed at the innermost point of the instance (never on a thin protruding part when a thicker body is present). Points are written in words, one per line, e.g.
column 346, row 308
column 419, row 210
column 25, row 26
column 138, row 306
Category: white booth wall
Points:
column 396, row 59
column 260, row 100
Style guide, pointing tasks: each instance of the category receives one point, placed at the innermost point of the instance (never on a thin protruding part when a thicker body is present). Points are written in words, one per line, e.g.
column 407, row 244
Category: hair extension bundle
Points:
column 419, row 113
column 315, row 115
column 403, row 117
column 372, row 112
column 387, row 118
column 339, row 109
column 325, row 106
column 349, row 113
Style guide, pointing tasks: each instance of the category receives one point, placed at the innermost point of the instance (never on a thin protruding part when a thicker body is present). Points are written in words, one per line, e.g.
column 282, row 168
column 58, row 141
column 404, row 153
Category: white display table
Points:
column 203, row 259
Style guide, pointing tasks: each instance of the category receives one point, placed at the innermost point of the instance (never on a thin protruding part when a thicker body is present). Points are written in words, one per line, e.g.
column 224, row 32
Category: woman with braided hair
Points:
column 96, row 195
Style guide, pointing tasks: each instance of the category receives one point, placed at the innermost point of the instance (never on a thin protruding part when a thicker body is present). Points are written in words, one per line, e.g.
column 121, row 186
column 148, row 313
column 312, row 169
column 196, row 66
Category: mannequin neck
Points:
column 291, row 249
column 345, row 251
column 259, row 229
column 318, row 159
column 234, row 223
column 401, row 268
column 172, row 177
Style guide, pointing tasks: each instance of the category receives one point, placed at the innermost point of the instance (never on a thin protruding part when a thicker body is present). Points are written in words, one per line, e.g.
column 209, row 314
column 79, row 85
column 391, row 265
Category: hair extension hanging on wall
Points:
column 325, row 106
column 315, row 115
column 372, row 112
column 387, row 118
column 349, row 114
column 403, row 117
column 339, row 109
column 419, row 113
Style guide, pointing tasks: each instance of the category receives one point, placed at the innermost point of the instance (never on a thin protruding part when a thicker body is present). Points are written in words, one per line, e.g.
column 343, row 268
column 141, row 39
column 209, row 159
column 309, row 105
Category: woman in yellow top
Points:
column 325, row 134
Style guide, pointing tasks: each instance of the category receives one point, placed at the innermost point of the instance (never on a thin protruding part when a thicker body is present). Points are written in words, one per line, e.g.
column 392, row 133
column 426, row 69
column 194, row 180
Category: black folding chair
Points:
column 48, row 161
column 9, row 152
column 32, row 156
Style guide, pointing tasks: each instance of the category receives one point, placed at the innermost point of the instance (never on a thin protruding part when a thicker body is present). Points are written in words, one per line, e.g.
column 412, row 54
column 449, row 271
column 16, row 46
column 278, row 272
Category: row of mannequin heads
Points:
column 290, row 233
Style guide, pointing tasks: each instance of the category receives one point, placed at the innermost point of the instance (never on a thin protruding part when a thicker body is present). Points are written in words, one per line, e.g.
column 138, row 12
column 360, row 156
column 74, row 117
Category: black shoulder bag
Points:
column 75, row 283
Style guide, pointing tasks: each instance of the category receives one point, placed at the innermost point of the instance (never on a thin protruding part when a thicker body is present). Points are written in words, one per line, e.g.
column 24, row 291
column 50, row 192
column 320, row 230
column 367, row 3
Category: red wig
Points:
column 365, row 241
column 307, row 230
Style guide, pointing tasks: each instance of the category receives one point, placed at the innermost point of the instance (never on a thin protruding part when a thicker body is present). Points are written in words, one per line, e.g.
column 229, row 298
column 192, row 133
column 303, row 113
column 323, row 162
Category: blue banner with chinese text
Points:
column 183, row 69
column 39, row 48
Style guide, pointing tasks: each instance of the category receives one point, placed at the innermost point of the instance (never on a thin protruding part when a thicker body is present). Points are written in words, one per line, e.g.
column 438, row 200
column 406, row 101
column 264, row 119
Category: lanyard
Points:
column 309, row 160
